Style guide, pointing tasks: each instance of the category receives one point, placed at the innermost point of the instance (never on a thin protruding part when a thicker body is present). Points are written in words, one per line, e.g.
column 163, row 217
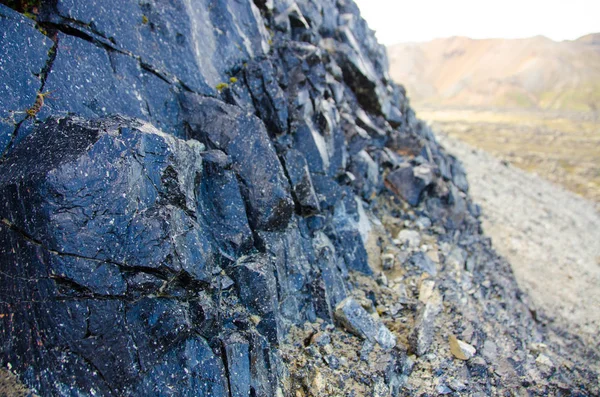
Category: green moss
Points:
column 30, row 16
column 144, row 19
column 221, row 86
column 233, row 80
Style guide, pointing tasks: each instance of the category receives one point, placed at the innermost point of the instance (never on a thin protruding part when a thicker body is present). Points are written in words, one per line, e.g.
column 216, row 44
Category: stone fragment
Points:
column 544, row 361
column 423, row 223
column 222, row 205
column 321, row 339
column 424, row 263
column 387, row 261
column 191, row 368
column 368, row 180
column 459, row 177
column 352, row 316
column 426, row 290
column 460, row 349
column 301, row 181
column 255, row 282
column 409, row 183
column 422, row 336
column 409, row 238
column 237, row 360
column 268, row 97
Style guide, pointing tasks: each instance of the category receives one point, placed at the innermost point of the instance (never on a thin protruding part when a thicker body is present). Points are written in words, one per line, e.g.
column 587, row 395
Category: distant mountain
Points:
column 535, row 72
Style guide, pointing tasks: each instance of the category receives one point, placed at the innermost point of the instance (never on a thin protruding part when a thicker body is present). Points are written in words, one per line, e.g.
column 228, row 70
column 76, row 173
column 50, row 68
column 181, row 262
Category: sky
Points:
column 423, row 20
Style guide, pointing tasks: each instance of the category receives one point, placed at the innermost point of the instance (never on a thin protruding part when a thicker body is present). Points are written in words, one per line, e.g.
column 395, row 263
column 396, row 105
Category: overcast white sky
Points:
column 422, row 20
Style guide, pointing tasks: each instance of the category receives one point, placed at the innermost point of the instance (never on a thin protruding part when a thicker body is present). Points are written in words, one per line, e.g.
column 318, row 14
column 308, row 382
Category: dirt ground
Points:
column 549, row 235
column 561, row 147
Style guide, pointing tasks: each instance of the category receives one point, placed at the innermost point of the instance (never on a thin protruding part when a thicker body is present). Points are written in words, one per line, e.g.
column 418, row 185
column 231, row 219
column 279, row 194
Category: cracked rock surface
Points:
column 231, row 198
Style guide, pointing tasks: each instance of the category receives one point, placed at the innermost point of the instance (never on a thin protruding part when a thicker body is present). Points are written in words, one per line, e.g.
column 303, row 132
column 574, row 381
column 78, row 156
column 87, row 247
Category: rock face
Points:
column 184, row 185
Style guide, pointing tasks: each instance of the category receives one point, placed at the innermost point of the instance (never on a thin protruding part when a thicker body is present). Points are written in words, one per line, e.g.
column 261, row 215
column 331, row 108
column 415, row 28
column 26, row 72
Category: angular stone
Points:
column 357, row 138
column 409, row 238
column 191, row 369
column 424, row 263
column 269, row 99
column 255, row 282
column 301, row 181
column 368, row 179
column 422, row 335
column 409, row 183
column 222, row 205
column 237, row 360
column 459, row 177
column 352, row 316
column 262, row 368
column 244, row 139
column 292, row 271
column 156, row 325
column 309, row 141
column 460, row 349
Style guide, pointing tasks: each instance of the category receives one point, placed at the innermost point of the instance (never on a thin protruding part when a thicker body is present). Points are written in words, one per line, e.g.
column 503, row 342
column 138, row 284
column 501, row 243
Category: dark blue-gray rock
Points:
column 195, row 42
column 459, row 177
column 256, row 285
column 90, row 81
column 352, row 316
column 87, row 205
column 156, row 326
column 263, row 372
column 368, row 178
column 424, row 329
column 328, row 121
column 346, row 230
column 357, row 138
column 302, row 187
column 167, row 256
column 237, row 359
column 292, row 271
column 310, row 142
column 24, row 53
column 190, row 369
column 268, row 97
column 222, row 205
column 409, row 182
column 244, row 138
column 422, row 262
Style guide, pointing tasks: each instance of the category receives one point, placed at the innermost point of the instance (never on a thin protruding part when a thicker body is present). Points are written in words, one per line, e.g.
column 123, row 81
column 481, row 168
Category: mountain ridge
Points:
column 534, row 72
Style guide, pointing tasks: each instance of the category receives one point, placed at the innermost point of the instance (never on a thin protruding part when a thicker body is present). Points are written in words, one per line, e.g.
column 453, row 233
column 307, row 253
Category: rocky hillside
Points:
column 232, row 198
column 521, row 73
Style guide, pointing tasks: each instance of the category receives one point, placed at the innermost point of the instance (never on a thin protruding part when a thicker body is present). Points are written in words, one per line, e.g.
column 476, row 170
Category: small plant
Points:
column 221, row 86
column 233, row 80
column 29, row 8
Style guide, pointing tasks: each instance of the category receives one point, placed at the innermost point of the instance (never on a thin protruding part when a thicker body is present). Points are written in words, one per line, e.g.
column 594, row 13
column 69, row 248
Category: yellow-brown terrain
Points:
column 533, row 102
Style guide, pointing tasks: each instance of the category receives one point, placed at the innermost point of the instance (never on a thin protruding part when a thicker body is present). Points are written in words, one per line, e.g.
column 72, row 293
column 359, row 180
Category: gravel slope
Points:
column 550, row 236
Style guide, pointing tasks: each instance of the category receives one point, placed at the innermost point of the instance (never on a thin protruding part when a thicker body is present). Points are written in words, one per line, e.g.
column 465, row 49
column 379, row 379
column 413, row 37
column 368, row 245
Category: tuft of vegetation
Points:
column 221, row 86
column 144, row 19
column 233, row 80
column 29, row 8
